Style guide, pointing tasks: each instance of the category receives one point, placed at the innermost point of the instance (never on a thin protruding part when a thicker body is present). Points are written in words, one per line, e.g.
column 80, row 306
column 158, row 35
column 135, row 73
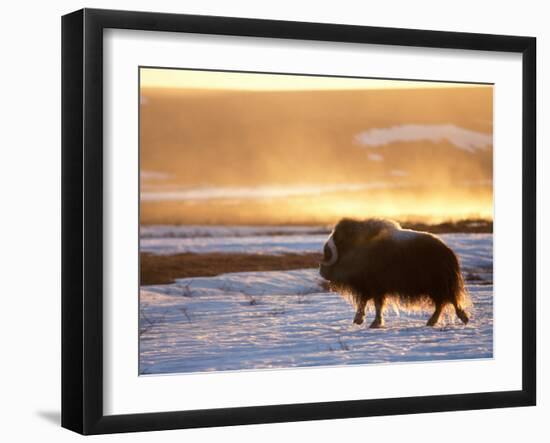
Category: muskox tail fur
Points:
column 461, row 294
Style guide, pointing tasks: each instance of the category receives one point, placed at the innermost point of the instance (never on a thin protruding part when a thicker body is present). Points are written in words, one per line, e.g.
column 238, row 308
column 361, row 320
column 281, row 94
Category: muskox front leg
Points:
column 379, row 305
column 435, row 316
column 360, row 312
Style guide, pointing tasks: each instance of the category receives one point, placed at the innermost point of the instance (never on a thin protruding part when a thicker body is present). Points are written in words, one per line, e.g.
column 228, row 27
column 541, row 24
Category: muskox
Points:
column 376, row 259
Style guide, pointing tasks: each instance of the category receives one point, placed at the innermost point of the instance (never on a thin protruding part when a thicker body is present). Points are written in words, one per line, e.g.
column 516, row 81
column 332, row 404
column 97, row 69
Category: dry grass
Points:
column 164, row 269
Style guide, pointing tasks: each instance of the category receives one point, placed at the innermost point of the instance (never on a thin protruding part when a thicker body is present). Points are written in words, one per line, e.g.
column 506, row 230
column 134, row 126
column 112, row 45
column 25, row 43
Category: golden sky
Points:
column 194, row 79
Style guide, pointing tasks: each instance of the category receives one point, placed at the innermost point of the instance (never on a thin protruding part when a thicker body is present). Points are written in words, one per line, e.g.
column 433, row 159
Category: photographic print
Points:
column 294, row 221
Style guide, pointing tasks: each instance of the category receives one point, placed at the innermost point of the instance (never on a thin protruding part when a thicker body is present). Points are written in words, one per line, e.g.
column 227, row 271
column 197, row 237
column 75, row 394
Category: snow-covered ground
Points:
column 253, row 244
column 281, row 319
column 187, row 231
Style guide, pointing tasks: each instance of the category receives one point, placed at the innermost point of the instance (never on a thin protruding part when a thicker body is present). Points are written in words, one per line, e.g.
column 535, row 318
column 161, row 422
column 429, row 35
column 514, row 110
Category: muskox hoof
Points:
column 376, row 324
column 462, row 316
column 358, row 320
column 432, row 322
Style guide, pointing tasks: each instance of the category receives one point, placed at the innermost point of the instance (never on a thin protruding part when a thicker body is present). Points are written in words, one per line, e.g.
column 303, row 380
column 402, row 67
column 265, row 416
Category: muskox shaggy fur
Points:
column 376, row 260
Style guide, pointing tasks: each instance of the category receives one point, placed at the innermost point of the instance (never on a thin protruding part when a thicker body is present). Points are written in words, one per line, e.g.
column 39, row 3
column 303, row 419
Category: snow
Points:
column 285, row 319
column 466, row 139
column 254, row 244
column 190, row 231
column 166, row 239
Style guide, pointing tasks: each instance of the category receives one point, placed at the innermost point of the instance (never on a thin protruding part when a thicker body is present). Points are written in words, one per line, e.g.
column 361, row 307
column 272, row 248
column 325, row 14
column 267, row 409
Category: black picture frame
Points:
column 82, row 219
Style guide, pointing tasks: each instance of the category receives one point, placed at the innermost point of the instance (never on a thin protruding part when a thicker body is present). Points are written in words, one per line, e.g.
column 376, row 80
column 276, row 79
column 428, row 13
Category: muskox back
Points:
column 377, row 259
column 413, row 266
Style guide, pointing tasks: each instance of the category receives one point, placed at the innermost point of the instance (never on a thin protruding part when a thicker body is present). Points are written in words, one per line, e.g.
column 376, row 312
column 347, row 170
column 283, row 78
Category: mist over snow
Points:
column 314, row 155
column 468, row 140
column 153, row 175
column 257, row 192
column 399, row 173
column 375, row 157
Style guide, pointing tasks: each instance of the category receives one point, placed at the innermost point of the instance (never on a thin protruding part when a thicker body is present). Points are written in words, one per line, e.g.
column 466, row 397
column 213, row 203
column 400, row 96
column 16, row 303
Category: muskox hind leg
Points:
column 379, row 304
column 461, row 314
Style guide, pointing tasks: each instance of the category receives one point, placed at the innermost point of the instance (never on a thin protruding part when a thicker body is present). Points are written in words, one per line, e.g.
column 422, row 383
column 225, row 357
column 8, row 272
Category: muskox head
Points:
column 346, row 239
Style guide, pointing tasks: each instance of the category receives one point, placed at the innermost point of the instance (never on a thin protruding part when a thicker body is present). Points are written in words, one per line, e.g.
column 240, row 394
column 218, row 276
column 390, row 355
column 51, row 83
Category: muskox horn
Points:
column 334, row 253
